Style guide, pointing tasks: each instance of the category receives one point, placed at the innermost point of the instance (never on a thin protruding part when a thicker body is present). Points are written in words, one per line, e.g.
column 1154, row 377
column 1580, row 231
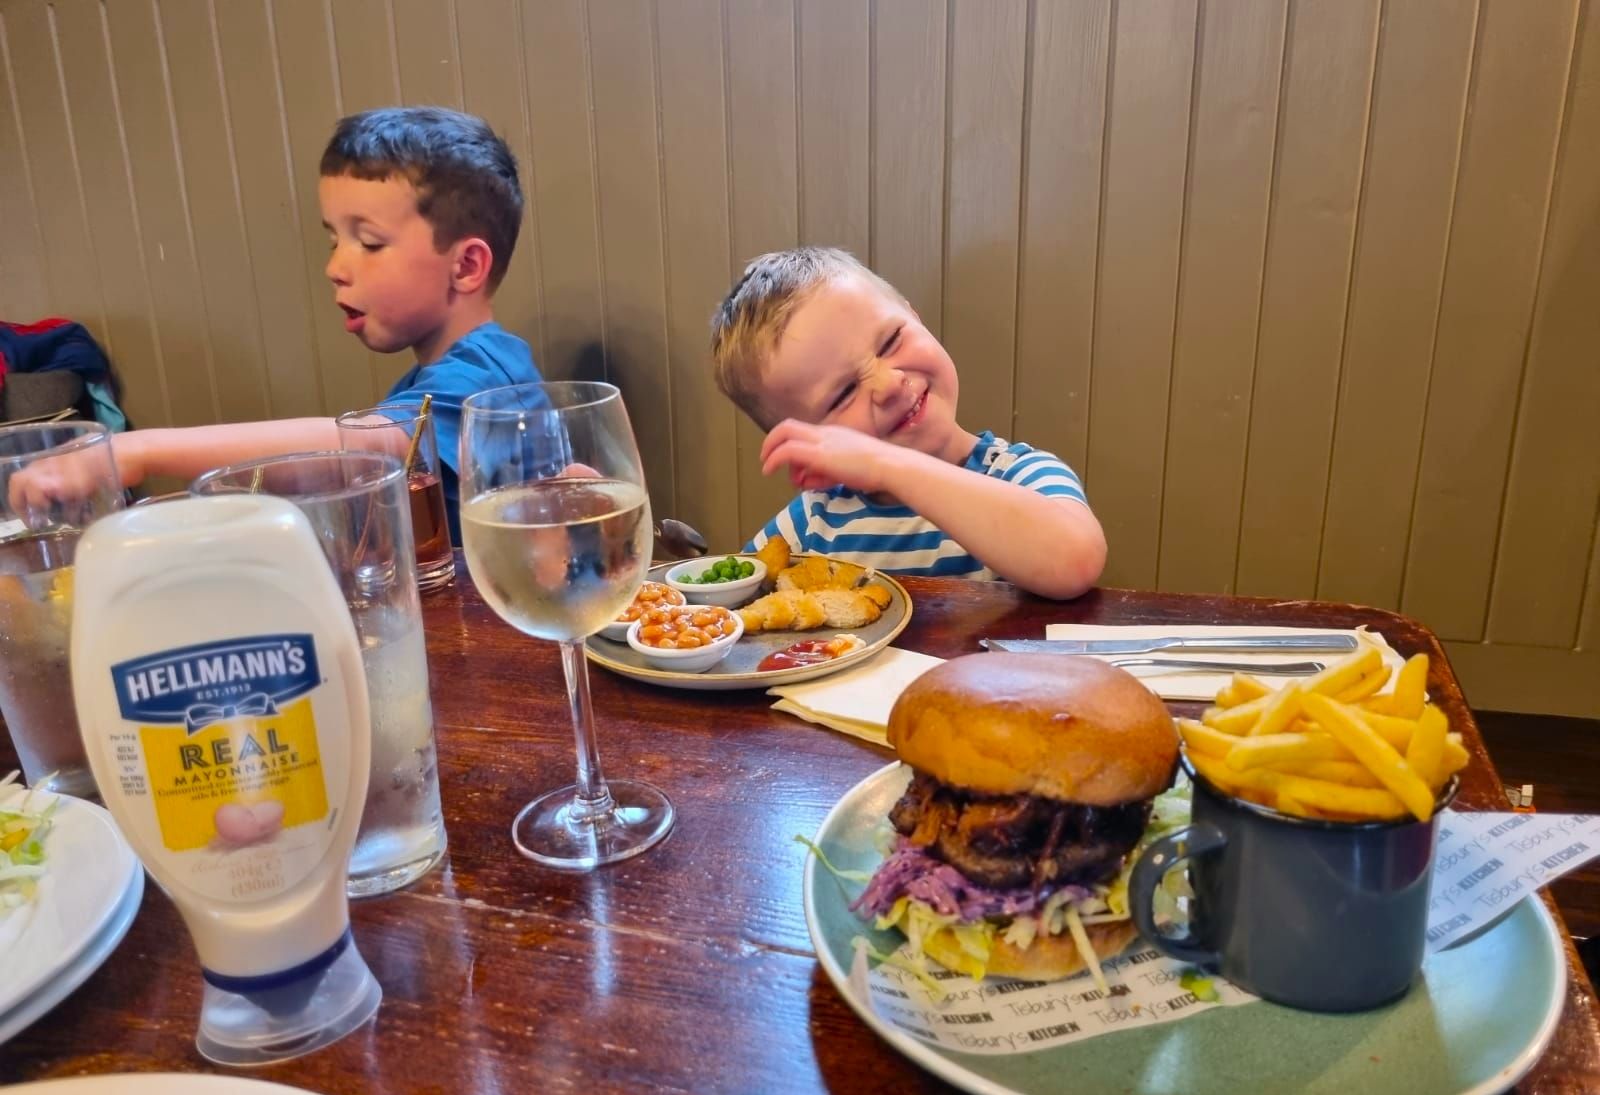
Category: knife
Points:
column 1233, row 644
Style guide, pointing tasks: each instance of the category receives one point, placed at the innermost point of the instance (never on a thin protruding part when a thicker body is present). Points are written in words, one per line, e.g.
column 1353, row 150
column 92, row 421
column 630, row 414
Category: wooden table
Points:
column 687, row 969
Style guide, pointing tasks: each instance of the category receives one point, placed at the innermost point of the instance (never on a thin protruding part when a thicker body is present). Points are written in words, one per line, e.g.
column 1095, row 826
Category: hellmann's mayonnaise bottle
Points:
column 223, row 705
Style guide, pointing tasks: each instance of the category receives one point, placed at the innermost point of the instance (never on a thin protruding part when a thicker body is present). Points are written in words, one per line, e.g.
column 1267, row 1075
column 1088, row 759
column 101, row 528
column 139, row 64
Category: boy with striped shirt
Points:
column 859, row 401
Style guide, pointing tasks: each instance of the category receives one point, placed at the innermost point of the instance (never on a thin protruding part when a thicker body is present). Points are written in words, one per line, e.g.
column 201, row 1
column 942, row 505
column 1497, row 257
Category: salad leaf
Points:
column 1203, row 987
column 848, row 876
column 23, row 826
column 915, row 967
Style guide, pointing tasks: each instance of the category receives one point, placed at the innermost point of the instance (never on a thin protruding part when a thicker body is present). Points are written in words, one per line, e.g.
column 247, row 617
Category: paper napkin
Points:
column 1204, row 686
column 857, row 701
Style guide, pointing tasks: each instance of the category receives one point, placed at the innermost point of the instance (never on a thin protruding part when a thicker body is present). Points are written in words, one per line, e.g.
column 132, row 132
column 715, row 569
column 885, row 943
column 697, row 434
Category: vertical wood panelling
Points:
column 364, row 34
column 835, row 131
column 1424, row 57
column 1547, row 531
column 57, row 184
column 908, row 153
column 1060, row 225
column 278, row 274
column 430, row 74
column 169, row 258
column 694, row 177
column 1589, row 624
column 558, row 178
column 1304, row 288
column 1219, row 291
column 764, row 184
column 308, row 84
column 112, row 212
column 425, row 51
column 989, row 45
column 1152, row 68
column 364, row 37
column 1306, row 274
column 1508, row 157
column 627, row 160
column 211, row 203
column 24, row 275
column 496, row 90
column 762, row 135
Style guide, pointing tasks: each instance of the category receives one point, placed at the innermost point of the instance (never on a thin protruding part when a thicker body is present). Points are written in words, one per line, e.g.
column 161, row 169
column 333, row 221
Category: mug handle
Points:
column 1160, row 857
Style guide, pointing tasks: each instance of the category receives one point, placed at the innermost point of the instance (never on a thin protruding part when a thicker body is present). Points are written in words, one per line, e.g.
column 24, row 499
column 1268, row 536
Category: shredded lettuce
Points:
column 848, row 876
column 916, row 967
column 1203, row 987
column 1169, row 811
column 23, row 826
column 1091, row 960
column 1021, row 932
column 919, row 923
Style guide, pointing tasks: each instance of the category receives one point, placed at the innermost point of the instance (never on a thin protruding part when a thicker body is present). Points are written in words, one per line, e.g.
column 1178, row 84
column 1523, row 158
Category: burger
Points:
column 1033, row 782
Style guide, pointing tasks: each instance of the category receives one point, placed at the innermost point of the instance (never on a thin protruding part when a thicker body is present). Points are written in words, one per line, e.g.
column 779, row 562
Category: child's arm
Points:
column 1047, row 545
column 180, row 453
column 186, row 452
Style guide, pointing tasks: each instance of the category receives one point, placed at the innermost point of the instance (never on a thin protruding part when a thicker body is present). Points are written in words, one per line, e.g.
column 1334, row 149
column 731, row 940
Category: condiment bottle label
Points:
column 221, row 739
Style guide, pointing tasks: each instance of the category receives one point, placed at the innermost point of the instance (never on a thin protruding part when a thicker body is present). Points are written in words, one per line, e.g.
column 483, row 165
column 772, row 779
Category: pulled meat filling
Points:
column 1004, row 841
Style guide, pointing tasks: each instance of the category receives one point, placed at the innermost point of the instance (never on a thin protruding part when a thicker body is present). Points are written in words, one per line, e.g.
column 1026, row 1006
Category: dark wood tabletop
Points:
column 686, row 969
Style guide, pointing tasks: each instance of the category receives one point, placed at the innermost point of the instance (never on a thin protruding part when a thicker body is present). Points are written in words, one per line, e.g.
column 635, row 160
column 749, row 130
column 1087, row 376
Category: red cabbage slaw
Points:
column 909, row 871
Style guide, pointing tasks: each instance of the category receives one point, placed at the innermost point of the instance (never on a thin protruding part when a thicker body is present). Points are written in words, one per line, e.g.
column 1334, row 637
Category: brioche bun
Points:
column 1058, row 726
column 1047, row 958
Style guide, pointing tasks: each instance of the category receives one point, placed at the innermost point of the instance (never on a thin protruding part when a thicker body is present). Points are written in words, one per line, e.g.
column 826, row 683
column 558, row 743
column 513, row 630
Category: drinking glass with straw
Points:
column 407, row 432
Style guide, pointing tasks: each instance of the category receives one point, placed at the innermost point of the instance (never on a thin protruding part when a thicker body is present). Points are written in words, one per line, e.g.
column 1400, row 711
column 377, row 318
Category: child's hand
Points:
column 820, row 457
column 67, row 484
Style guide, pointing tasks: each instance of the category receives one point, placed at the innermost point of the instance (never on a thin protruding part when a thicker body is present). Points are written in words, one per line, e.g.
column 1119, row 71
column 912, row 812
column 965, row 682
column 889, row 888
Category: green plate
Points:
column 1479, row 1018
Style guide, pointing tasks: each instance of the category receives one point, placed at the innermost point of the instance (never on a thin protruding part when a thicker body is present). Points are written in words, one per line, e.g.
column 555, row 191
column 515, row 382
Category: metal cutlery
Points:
column 1218, row 644
column 1176, row 665
column 678, row 540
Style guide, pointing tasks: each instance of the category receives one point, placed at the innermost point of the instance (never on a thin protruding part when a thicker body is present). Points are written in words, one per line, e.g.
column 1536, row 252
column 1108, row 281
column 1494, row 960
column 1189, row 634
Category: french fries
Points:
column 1280, row 711
column 1269, row 750
column 1380, row 758
column 1330, row 746
column 1242, row 689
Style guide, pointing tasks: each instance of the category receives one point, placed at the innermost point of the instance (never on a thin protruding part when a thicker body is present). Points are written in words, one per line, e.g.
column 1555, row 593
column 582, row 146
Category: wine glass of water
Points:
column 556, row 526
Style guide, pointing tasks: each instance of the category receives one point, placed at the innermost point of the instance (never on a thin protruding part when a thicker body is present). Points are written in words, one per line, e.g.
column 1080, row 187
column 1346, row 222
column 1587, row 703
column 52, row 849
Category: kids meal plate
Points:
column 842, row 616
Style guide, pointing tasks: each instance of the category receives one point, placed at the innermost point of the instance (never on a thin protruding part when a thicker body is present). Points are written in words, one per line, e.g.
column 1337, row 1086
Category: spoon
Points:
column 676, row 540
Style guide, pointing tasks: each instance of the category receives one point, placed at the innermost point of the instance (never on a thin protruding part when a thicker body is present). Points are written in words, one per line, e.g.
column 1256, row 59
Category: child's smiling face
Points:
column 854, row 354
column 390, row 280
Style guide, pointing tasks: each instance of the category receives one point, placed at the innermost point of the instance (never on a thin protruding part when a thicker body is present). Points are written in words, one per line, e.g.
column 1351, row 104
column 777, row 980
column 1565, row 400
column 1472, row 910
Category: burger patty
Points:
column 1005, row 841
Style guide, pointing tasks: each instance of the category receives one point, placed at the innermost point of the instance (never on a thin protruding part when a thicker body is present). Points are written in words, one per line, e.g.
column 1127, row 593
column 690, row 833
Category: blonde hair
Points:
column 749, row 323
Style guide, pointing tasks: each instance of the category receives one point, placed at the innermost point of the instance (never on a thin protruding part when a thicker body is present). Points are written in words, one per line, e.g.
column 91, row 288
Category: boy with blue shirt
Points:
column 422, row 207
column 859, row 401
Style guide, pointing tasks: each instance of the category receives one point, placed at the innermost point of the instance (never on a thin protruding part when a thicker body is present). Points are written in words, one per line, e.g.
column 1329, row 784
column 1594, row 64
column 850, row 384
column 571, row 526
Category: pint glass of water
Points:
column 359, row 507
column 55, row 478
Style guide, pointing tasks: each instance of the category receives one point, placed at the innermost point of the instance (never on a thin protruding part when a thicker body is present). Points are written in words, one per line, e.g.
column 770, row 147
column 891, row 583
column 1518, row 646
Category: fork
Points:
column 1175, row 665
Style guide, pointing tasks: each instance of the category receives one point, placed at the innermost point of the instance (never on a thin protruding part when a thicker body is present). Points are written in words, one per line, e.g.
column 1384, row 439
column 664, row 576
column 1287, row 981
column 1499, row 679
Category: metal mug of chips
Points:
column 1310, row 851
column 1312, row 913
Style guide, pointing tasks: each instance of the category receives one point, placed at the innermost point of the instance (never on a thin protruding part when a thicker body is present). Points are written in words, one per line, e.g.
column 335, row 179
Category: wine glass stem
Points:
column 593, row 800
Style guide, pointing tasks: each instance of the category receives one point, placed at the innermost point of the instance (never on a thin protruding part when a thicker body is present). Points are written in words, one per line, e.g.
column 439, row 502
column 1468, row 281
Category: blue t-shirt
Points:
column 850, row 526
column 486, row 357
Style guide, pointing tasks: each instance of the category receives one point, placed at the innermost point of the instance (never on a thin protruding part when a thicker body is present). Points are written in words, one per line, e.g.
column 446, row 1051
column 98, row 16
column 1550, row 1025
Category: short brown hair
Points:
column 749, row 323
column 465, row 176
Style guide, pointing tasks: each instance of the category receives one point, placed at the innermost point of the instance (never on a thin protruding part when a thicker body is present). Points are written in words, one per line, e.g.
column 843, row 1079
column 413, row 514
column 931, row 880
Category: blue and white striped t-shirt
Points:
column 848, row 525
